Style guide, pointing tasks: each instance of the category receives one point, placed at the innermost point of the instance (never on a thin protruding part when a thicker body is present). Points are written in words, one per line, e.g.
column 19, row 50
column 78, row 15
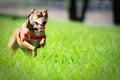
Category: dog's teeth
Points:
column 39, row 25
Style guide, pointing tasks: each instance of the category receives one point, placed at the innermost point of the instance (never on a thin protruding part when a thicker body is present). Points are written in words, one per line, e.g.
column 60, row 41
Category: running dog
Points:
column 31, row 35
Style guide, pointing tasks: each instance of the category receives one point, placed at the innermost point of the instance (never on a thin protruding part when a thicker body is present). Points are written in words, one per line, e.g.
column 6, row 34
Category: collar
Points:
column 30, row 26
column 29, row 36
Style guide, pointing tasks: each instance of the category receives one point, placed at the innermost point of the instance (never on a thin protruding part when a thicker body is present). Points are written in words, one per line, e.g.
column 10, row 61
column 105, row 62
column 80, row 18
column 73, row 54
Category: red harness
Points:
column 29, row 36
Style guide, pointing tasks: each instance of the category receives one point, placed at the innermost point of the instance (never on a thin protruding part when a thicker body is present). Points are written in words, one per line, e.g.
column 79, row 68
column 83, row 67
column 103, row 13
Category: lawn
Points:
column 74, row 51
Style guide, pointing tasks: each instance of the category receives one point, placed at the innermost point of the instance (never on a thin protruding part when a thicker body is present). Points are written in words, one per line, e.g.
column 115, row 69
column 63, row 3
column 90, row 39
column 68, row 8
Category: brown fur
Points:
column 30, row 26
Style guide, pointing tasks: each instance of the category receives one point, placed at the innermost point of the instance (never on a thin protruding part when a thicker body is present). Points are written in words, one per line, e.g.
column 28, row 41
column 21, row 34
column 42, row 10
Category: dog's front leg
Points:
column 30, row 47
column 22, row 41
column 27, row 45
column 42, row 43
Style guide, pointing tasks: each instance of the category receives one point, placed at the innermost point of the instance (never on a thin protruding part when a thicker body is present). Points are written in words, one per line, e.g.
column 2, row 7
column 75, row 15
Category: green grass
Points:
column 74, row 51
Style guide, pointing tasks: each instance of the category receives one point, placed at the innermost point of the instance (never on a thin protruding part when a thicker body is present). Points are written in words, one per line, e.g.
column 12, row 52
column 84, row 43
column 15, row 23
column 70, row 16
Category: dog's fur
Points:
column 34, row 25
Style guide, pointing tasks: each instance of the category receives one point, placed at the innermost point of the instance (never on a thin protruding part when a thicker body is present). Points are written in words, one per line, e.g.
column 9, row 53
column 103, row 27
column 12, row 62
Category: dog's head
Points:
column 37, row 19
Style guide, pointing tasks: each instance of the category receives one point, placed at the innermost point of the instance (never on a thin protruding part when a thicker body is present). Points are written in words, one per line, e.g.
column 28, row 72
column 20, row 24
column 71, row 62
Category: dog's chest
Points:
column 35, row 42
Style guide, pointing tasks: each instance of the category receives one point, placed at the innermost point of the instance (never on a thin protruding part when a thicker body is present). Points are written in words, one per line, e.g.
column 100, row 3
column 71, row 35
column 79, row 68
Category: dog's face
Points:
column 38, row 18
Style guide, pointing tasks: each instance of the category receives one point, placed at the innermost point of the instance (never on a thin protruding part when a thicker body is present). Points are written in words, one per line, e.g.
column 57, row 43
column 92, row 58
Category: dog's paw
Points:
column 42, row 45
column 42, row 42
column 38, row 46
column 34, row 54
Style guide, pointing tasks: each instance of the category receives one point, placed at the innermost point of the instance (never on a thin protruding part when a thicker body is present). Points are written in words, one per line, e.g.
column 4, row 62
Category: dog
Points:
column 31, row 35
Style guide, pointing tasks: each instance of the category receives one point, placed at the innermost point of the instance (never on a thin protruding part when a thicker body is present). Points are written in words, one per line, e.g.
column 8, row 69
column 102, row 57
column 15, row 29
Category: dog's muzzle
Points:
column 40, row 25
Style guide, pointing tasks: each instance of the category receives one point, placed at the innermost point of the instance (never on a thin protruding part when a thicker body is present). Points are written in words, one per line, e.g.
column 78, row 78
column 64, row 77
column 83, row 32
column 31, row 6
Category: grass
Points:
column 74, row 51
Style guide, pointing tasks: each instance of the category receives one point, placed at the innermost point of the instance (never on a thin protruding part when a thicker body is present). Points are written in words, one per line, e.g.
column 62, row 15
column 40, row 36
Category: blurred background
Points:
column 98, row 12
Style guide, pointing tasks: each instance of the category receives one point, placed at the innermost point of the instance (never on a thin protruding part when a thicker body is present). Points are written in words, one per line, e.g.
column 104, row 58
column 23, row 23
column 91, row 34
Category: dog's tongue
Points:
column 41, row 27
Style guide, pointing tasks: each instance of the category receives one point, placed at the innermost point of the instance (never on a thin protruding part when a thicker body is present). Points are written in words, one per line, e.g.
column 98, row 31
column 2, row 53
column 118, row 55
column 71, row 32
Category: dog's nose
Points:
column 43, row 22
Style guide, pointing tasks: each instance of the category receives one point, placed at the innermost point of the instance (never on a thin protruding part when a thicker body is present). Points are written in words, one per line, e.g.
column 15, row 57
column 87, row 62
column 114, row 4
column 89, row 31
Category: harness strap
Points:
column 29, row 36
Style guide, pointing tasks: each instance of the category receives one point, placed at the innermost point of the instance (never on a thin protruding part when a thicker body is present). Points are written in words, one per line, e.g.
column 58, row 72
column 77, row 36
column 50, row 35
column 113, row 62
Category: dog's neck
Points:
column 29, row 25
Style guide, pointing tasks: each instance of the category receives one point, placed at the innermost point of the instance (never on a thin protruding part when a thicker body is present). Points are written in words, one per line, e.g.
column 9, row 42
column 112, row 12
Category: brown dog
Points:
column 31, row 35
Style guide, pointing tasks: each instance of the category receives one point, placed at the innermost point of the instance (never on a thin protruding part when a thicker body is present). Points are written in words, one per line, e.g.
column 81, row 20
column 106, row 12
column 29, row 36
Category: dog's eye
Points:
column 39, row 16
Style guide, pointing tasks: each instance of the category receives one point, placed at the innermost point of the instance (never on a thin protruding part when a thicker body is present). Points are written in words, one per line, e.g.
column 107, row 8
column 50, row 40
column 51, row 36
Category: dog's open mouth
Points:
column 40, row 26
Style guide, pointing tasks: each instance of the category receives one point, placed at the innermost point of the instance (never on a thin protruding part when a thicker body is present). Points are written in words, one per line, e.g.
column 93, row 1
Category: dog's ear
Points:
column 46, row 14
column 32, row 11
column 45, row 10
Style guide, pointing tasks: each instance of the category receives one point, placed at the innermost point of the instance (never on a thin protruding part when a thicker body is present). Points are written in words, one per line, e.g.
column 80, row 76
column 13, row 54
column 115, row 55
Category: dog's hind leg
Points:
column 13, row 45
